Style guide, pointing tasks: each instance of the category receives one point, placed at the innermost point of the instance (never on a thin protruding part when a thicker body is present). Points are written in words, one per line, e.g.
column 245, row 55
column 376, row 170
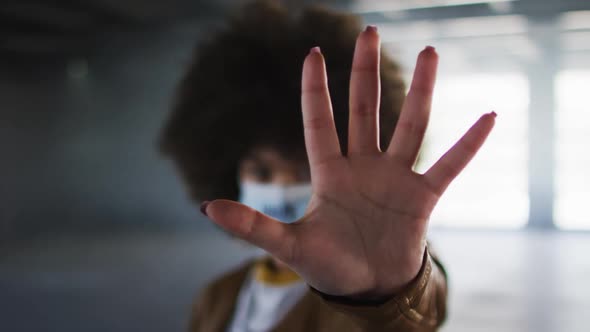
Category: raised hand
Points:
column 364, row 229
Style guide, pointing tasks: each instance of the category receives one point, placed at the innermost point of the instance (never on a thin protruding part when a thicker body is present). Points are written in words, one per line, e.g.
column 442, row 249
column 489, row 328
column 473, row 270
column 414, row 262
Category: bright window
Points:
column 572, row 178
column 492, row 191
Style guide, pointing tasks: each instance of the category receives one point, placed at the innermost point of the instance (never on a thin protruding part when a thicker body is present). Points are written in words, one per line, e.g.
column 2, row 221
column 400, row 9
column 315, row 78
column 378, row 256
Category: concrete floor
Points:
column 537, row 282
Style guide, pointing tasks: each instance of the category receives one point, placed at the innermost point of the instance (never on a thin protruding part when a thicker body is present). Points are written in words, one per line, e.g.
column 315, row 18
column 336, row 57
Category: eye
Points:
column 304, row 174
column 262, row 173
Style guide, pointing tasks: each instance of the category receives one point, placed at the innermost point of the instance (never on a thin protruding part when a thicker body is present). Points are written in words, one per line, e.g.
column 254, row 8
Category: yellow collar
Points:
column 266, row 272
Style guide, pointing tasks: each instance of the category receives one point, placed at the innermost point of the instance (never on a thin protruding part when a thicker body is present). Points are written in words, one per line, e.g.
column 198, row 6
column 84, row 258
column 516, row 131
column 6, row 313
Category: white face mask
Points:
column 286, row 203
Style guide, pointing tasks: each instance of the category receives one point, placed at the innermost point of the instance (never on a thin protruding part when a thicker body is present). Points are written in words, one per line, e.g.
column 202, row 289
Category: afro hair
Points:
column 243, row 90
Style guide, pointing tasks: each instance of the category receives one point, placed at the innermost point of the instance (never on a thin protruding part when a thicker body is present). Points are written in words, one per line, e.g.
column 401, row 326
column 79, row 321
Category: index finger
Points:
column 321, row 140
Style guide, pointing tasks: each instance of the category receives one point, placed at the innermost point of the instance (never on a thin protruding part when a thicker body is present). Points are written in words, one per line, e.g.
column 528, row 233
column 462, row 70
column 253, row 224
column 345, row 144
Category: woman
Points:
column 325, row 185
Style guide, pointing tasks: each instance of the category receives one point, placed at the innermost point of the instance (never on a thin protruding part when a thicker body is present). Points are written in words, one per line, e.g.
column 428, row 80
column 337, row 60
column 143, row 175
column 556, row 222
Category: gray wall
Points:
column 78, row 149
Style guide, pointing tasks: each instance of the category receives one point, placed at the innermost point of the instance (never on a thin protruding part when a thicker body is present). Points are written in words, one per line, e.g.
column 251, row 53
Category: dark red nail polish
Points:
column 429, row 48
column 315, row 50
column 204, row 207
column 494, row 114
column 371, row 28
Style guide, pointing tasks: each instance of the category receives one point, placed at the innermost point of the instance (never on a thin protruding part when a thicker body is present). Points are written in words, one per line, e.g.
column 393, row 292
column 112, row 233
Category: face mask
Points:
column 286, row 203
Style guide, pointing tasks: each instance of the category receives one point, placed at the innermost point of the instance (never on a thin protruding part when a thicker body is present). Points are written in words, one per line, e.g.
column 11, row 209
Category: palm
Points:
column 375, row 220
column 364, row 229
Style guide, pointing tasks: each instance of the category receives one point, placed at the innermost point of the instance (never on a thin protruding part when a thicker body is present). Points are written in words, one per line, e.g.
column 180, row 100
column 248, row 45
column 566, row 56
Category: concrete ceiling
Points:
column 42, row 27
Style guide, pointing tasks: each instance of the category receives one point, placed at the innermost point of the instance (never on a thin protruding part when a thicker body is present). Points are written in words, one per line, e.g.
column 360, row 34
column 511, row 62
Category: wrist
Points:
column 379, row 296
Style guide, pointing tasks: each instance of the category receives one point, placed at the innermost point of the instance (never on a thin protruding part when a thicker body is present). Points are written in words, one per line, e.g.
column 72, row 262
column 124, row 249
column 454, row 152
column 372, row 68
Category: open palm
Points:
column 364, row 229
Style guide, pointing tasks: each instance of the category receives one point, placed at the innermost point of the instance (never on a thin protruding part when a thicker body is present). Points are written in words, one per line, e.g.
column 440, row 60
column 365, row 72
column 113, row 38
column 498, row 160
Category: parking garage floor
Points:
column 499, row 281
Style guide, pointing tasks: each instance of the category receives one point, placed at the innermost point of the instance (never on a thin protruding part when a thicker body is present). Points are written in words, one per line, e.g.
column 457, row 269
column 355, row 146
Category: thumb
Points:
column 252, row 226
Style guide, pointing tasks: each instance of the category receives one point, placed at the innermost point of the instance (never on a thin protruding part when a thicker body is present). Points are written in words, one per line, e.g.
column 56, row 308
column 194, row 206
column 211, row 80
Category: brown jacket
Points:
column 421, row 307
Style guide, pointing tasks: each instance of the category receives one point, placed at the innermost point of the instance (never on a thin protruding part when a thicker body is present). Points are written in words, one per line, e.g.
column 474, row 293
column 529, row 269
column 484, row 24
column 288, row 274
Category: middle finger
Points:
column 365, row 89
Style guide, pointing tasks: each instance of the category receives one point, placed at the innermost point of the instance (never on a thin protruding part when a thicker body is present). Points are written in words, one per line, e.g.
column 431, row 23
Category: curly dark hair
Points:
column 243, row 90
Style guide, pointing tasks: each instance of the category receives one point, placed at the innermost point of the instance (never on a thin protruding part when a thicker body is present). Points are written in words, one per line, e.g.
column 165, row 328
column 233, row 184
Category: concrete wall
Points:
column 77, row 137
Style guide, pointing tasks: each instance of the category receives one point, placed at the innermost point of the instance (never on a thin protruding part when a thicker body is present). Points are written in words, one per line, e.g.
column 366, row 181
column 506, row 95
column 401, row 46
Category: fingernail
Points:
column 315, row 50
column 204, row 207
column 371, row 27
column 429, row 48
column 494, row 114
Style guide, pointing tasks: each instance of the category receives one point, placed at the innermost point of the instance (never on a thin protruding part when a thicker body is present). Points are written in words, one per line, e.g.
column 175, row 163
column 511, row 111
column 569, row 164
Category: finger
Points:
column 442, row 173
column 365, row 89
column 321, row 140
column 409, row 132
column 252, row 226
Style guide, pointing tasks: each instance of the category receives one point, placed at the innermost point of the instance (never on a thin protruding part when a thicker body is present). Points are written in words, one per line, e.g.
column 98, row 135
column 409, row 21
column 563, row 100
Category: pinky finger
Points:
column 444, row 171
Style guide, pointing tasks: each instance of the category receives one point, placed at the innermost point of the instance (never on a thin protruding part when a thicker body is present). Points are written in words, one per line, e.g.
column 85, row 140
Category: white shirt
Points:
column 261, row 306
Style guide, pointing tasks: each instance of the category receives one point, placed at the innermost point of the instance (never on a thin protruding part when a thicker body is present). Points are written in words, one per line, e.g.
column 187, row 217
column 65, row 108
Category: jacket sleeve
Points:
column 419, row 307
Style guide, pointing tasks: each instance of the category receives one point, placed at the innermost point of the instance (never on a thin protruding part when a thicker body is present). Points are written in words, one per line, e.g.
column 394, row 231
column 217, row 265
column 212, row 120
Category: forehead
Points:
column 270, row 155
